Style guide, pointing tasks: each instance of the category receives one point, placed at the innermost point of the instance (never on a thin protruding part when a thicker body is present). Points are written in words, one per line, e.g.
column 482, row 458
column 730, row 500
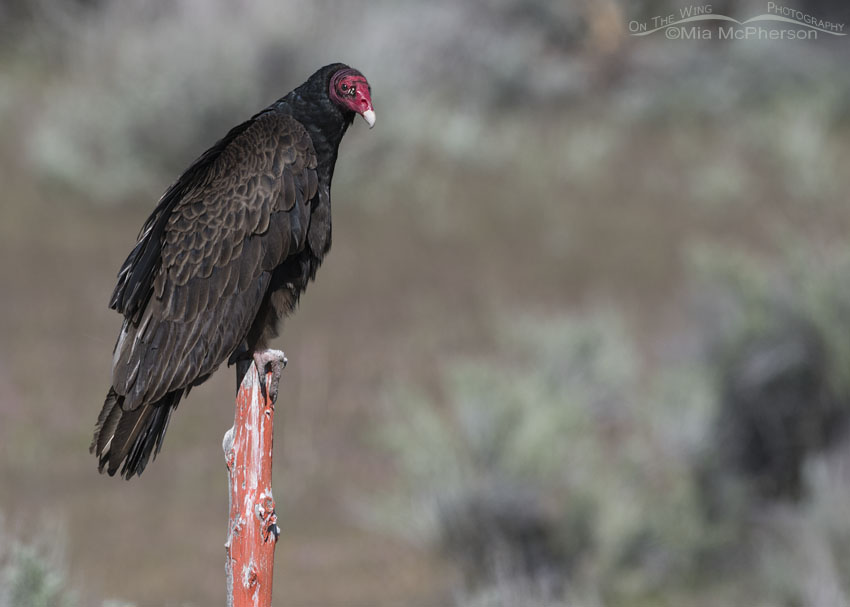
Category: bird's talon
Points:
column 274, row 361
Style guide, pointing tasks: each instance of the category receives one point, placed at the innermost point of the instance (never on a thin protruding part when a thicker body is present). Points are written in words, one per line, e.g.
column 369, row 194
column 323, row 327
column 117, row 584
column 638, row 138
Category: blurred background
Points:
column 583, row 337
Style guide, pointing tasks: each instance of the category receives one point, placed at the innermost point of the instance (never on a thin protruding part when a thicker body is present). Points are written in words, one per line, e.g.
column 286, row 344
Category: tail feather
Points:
column 106, row 422
column 130, row 437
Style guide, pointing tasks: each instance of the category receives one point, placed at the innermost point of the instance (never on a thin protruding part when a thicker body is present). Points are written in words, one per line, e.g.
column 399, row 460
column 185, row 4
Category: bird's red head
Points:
column 350, row 90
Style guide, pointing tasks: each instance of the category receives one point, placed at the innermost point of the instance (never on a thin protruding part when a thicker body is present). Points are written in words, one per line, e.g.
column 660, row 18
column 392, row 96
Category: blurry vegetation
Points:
column 118, row 106
column 33, row 573
column 779, row 344
column 111, row 101
column 551, row 468
column 561, row 467
column 527, row 154
column 122, row 109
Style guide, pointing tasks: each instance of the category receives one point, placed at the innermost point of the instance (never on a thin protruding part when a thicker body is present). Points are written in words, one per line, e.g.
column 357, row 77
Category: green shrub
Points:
column 31, row 576
column 559, row 464
column 549, row 464
column 781, row 360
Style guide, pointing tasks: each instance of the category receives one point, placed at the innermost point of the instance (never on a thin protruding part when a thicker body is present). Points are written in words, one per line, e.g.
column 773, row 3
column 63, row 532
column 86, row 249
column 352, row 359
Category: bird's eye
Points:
column 344, row 86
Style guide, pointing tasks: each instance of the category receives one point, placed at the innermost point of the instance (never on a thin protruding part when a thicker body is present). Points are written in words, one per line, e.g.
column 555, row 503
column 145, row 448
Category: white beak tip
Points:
column 369, row 117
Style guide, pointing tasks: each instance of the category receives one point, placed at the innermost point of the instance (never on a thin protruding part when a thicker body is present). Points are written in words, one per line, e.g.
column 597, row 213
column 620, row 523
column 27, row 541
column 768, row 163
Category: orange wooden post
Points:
column 252, row 529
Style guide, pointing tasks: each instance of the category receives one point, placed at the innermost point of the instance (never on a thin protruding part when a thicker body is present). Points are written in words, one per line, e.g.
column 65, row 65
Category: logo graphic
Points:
column 777, row 23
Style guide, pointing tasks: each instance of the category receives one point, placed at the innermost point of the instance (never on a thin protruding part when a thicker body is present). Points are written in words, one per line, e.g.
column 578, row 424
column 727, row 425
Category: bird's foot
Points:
column 274, row 360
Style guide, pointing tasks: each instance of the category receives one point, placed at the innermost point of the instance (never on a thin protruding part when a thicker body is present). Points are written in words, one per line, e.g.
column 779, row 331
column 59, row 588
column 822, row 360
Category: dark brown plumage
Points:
column 227, row 252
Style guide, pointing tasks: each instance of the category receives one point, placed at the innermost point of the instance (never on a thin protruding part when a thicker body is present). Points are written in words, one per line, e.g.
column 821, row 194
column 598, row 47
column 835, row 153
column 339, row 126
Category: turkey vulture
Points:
column 224, row 256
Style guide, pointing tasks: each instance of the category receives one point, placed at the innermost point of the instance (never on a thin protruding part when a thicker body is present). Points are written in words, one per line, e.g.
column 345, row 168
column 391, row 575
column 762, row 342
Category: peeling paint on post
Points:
column 252, row 530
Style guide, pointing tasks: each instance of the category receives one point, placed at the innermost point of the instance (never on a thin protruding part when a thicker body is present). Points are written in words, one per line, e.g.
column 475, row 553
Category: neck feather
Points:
column 324, row 120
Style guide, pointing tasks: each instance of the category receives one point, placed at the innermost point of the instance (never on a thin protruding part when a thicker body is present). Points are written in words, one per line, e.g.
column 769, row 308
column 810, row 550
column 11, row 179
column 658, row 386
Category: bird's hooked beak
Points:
column 363, row 102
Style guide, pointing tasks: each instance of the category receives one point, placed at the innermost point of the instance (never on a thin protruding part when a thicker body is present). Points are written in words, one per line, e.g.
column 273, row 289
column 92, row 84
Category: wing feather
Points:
column 217, row 244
